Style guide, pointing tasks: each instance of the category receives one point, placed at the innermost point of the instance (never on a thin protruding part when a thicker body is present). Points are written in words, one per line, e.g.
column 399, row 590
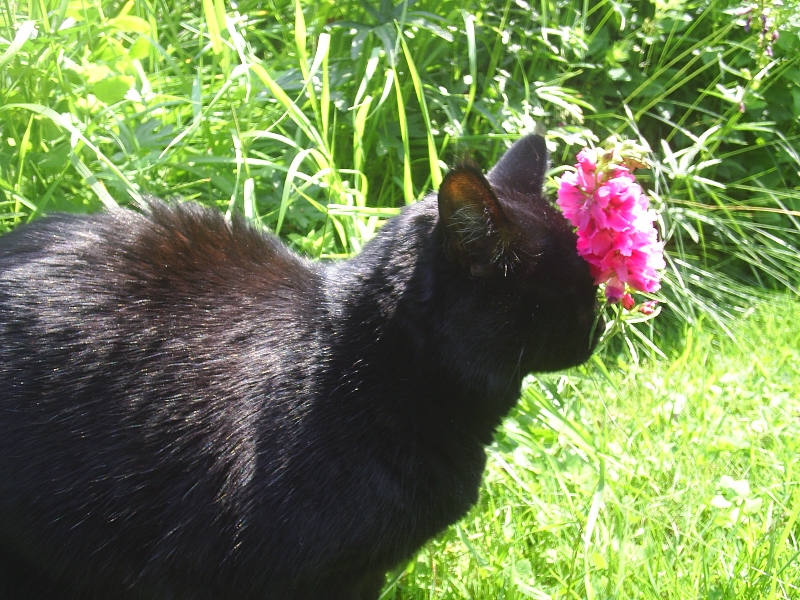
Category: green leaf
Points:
column 619, row 74
column 599, row 561
column 130, row 24
column 112, row 89
column 140, row 48
column 95, row 73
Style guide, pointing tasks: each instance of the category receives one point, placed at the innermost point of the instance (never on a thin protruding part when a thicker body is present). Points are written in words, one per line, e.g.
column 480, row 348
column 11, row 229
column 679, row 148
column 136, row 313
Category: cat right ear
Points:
column 476, row 230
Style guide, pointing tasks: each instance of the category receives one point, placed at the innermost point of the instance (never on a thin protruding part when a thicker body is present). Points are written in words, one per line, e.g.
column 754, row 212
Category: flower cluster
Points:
column 615, row 228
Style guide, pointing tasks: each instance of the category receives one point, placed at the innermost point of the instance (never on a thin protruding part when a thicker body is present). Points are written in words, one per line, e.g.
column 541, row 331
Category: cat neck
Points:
column 392, row 327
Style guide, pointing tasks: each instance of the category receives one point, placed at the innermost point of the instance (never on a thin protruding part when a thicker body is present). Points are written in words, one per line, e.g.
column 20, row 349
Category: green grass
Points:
column 669, row 479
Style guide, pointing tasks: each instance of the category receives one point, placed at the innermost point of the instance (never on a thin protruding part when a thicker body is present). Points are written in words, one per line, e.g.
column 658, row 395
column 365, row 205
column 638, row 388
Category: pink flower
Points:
column 648, row 308
column 615, row 228
column 628, row 302
column 615, row 290
column 573, row 200
column 587, row 159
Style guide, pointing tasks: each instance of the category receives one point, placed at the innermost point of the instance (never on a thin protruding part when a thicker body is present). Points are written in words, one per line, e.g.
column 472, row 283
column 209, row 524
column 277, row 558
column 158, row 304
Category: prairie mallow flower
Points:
column 614, row 222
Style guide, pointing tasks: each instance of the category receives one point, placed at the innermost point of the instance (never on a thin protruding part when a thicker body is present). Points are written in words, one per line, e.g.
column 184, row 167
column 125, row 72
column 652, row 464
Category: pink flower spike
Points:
column 614, row 223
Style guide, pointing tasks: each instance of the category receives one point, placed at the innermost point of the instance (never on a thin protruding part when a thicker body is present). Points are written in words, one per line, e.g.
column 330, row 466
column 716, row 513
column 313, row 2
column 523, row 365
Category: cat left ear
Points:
column 523, row 166
column 476, row 230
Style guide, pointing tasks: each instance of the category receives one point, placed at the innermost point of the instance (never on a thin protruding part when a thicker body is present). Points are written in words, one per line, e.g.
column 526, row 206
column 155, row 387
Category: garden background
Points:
column 667, row 467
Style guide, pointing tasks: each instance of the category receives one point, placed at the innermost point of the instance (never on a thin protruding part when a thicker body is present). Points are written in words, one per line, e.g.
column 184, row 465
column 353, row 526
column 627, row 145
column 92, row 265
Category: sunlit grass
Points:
column 667, row 479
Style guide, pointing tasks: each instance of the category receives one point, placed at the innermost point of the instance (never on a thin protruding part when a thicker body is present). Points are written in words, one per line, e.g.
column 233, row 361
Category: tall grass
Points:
column 319, row 120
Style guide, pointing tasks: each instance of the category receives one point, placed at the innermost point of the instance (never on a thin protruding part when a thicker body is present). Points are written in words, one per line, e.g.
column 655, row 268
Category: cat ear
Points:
column 522, row 167
column 475, row 228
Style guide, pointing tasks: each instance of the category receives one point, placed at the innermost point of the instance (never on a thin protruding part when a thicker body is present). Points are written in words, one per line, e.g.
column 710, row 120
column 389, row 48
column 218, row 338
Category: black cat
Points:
column 190, row 411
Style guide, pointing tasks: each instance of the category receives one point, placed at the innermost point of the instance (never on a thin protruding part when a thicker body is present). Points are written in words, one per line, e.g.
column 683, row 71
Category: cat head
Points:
column 519, row 253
